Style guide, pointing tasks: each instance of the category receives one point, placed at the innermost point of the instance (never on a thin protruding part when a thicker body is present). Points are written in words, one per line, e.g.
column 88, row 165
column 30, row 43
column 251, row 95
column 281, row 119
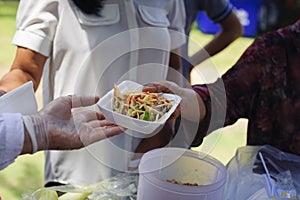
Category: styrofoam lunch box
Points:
column 159, row 166
column 136, row 127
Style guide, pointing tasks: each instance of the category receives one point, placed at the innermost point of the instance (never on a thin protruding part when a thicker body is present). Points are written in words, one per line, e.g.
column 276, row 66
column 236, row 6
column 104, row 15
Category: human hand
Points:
column 2, row 92
column 190, row 101
column 58, row 127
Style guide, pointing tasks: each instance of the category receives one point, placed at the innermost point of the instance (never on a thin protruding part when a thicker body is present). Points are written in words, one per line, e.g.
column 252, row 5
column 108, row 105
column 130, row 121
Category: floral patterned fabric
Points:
column 263, row 87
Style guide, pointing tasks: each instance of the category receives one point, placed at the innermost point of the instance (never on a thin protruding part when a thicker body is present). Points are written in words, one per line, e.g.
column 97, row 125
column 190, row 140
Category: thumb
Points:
column 80, row 101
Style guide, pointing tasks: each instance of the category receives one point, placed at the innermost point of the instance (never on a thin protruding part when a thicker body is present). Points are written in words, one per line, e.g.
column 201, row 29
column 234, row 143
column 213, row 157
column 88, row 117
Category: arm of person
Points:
column 192, row 109
column 163, row 137
column 232, row 96
column 27, row 66
column 11, row 138
column 231, row 29
column 224, row 101
column 60, row 126
column 55, row 127
column 176, row 16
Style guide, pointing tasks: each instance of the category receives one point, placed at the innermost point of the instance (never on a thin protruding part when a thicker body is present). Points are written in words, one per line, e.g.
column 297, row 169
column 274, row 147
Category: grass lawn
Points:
column 26, row 174
column 8, row 27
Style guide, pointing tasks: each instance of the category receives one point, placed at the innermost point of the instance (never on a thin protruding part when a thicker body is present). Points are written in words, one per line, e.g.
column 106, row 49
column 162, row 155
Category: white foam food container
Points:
column 159, row 166
column 136, row 127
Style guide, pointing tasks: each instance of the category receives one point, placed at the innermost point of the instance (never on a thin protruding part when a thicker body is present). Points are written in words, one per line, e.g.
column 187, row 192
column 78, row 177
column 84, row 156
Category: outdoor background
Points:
column 26, row 174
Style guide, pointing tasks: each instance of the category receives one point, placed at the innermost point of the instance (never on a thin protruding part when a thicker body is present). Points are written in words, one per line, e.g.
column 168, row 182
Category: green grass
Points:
column 8, row 27
column 26, row 174
column 23, row 176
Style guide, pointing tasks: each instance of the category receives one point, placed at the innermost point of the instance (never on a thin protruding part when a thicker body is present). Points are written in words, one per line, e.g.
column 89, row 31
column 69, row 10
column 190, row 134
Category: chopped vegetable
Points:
column 145, row 106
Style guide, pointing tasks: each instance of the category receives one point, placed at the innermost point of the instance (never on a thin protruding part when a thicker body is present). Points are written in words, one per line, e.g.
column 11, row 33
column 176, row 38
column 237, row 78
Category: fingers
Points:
column 97, row 130
column 162, row 86
column 80, row 101
column 81, row 116
column 156, row 87
column 100, row 123
column 105, row 132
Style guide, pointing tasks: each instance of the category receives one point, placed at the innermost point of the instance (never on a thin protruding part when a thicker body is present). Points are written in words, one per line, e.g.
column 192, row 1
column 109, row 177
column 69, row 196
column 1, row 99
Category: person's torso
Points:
column 275, row 113
column 89, row 55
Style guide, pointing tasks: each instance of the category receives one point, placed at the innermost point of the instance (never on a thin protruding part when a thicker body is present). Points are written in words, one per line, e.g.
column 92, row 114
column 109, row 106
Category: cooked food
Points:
column 181, row 183
column 145, row 106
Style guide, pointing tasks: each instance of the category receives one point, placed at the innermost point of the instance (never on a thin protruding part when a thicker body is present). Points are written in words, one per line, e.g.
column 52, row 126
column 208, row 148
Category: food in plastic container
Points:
column 206, row 175
column 135, row 127
column 145, row 105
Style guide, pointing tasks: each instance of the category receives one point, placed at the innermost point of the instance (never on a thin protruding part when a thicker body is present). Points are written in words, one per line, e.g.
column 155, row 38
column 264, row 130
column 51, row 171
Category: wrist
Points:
column 36, row 129
column 27, row 145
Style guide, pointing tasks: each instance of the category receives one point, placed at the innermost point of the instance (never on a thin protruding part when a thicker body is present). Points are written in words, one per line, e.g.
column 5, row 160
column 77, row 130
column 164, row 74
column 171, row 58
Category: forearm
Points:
column 231, row 29
column 220, row 42
column 27, row 66
column 192, row 105
column 14, row 79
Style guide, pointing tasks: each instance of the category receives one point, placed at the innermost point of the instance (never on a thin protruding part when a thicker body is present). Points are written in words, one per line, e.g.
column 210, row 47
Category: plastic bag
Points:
column 247, row 176
column 120, row 187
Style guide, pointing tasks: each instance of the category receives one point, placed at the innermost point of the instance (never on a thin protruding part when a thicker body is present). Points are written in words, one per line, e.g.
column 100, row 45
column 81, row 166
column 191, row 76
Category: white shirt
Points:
column 11, row 138
column 88, row 54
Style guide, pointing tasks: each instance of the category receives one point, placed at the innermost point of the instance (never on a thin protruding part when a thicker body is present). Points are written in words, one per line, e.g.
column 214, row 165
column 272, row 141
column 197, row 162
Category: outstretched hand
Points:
column 59, row 127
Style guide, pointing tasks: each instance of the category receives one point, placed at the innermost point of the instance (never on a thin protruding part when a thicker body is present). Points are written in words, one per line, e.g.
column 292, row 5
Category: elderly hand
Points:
column 58, row 127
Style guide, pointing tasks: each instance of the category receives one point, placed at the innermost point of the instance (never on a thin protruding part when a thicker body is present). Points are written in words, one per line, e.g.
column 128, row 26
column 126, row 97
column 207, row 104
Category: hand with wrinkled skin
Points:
column 58, row 127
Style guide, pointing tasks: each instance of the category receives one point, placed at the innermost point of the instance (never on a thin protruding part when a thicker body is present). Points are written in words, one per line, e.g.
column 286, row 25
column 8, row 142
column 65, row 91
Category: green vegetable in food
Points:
column 74, row 196
column 147, row 116
column 46, row 194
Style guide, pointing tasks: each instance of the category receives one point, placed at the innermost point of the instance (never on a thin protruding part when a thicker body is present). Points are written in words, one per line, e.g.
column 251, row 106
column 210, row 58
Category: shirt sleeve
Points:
column 231, row 97
column 177, row 23
column 11, row 138
column 217, row 10
column 36, row 24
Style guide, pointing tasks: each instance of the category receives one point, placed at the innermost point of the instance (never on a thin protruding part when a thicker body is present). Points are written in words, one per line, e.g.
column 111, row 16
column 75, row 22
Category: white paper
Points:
column 20, row 100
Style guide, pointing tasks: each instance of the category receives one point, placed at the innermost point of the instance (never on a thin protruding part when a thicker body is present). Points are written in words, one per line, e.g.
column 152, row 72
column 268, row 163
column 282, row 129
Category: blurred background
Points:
column 257, row 17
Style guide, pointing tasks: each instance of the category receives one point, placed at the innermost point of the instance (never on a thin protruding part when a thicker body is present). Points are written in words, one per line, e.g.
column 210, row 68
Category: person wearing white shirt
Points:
column 83, row 53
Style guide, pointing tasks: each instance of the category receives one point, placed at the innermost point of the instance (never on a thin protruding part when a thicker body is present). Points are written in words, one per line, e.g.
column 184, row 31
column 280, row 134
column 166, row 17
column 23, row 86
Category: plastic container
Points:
column 159, row 166
column 248, row 12
column 135, row 127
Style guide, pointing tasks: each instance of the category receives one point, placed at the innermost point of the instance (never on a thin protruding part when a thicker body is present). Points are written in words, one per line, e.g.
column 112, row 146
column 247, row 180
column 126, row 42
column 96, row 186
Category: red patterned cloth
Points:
column 263, row 87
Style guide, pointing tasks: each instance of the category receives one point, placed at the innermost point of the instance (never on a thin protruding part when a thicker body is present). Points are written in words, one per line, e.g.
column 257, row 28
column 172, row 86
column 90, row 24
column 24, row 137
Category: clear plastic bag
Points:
column 120, row 187
column 247, row 176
